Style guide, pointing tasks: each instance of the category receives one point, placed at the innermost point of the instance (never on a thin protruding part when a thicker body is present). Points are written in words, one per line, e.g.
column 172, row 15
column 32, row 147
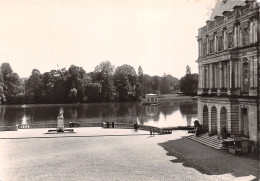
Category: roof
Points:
column 151, row 94
column 225, row 5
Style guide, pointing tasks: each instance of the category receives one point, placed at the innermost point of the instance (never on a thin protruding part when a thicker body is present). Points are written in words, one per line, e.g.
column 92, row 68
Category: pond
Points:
column 168, row 114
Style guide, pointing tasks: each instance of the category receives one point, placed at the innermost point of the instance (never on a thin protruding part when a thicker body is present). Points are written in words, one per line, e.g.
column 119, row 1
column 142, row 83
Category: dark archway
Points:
column 223, row 118
column 244, row 122
column 214, row 127
column 205, row 118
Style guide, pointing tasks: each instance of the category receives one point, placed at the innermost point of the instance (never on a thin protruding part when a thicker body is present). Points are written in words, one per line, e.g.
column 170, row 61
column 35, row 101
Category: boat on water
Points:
column 151, row 100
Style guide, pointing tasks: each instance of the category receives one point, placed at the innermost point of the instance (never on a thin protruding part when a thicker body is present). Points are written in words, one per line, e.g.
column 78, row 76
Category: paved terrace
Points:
column 115, row 154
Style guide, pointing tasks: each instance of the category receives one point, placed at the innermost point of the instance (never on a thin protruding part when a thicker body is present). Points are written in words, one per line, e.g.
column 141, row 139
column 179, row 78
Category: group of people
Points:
column 112, row 125
column 198, row 130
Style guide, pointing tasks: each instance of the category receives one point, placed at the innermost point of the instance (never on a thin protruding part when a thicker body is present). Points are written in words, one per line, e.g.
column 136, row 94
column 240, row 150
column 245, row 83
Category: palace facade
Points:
column 229, row 69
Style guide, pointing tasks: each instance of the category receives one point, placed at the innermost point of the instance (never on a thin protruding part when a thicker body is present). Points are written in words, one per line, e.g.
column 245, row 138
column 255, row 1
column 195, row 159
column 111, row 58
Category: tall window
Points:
column 220, row 43
column 204, row 49
column 211, row 46
column 246, row 36
column 230, row 40
column 246, row 77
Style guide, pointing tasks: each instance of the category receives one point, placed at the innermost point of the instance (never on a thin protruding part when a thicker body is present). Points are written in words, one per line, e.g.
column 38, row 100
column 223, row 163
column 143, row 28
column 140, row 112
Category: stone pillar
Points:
column 251, row 40
column 235, row 74
column 206, row 76
column 215, row 43
column 224, row 75
column 235, row 36
column 240, row 37
column 239, row 76
column 200, row 48
column 203, row 76
column 230, row 77
column 255, row 30
column 255, row 72
column 216, row 76
column 220, row 78
column 251, row 77
column 210, row 78
column 224, row 40
column 207, row 46
column 199, row 83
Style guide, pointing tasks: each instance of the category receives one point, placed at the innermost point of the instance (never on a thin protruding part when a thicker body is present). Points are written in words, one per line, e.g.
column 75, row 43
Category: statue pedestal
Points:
column 60, row 126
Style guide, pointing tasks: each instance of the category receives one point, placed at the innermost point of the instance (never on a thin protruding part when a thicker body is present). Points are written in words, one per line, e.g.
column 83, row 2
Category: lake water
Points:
column 168, row 114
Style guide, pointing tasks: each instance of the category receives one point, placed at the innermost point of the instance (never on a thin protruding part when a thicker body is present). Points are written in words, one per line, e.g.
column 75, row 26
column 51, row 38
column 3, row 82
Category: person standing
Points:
column 151, row 132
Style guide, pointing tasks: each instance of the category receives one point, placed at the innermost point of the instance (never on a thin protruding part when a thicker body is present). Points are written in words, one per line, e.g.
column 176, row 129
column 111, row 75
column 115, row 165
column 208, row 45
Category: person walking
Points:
column 136, row 127
column 153, row 131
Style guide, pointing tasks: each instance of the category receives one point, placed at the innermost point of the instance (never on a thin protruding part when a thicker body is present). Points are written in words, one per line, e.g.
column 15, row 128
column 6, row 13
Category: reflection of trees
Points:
column 11, row 115
column 148, row 113
column 190, row 110
column 169, row 108
column 96, row 112
column 2, row 115
column 73, row 113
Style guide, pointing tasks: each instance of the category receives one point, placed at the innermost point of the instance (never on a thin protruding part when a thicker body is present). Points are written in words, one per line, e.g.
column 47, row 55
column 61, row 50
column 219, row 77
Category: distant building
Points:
column 151, row 99
column 229, row 69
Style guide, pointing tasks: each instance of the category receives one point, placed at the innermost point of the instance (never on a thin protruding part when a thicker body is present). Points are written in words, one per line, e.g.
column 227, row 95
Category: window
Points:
column 230, row 40
column 211, row 46
column 245, row 36
column 204, row 49
column 220, row 43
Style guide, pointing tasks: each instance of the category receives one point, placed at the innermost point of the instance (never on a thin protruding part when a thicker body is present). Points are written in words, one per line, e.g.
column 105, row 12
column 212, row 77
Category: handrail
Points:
column 166, row 130
column 9, row 128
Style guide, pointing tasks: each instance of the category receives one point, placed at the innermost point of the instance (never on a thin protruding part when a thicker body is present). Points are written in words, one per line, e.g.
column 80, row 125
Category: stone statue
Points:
column 60, row 120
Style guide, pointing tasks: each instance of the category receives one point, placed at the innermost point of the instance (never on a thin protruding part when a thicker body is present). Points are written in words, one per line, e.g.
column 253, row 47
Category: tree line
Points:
column 105, row 84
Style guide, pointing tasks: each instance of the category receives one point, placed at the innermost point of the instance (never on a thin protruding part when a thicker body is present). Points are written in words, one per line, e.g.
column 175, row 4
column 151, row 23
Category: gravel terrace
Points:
column 115, row 154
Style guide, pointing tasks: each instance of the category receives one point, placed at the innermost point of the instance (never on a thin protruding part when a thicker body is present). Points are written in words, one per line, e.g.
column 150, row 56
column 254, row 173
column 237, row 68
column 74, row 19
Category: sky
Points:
column 158, row 35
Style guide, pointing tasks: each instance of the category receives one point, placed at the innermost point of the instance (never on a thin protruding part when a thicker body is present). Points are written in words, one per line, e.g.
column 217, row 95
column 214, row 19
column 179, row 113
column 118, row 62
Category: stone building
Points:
column 229, row 69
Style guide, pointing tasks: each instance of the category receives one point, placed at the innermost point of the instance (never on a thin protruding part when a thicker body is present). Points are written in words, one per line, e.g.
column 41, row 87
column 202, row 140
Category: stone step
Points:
column 206, row 139
column 212, row 141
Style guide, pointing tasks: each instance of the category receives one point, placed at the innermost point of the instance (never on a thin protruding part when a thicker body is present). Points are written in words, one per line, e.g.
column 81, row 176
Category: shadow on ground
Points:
column 211, row 161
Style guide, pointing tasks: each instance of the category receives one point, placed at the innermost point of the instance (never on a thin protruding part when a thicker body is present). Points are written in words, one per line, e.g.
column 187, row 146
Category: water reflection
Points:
column 168, row 114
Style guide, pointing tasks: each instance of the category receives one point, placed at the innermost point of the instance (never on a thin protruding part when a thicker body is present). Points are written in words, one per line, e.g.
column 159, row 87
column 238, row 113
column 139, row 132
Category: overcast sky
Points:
column 159, row 35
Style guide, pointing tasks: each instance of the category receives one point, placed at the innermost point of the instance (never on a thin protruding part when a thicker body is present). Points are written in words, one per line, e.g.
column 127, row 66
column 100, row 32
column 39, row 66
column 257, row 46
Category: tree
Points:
column 165, row 84
column 188, row 70
column 138, row 92
column 140, row 75
column 125, row 79
column 106, row 68
column 33, row 86
column 123, row 87
column 104, row 75
column 74, row 81
column 93, row 92
column 129, row 71
column 189, row 84
column 11, row 82
column 6, row 71
column 141, row 82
